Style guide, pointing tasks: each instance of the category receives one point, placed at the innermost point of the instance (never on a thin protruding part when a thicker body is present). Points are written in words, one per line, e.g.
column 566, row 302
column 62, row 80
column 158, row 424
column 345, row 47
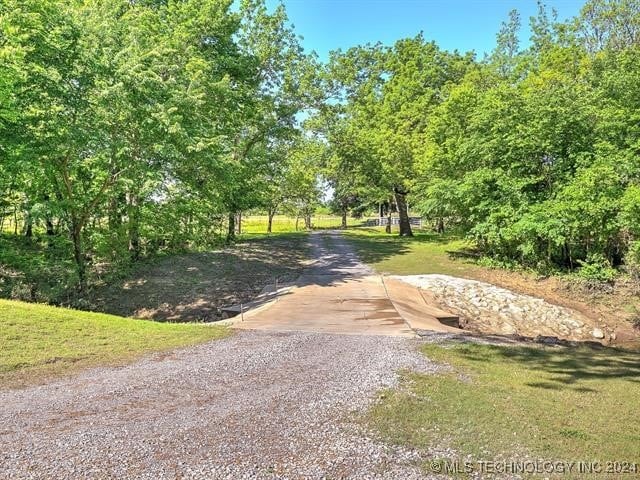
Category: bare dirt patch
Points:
column 194, row 286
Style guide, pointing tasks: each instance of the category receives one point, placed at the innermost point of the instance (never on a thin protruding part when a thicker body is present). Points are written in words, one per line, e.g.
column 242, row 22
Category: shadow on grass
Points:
column 374, row 245
column 564, row 367
column 424, row 253
column 464, row 254
column 418, row 235
column 374, row 249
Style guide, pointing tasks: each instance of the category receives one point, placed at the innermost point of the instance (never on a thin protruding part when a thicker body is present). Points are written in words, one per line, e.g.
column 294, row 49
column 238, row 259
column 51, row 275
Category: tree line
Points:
column 131, row 126
column 128, row 127
column 531, row 151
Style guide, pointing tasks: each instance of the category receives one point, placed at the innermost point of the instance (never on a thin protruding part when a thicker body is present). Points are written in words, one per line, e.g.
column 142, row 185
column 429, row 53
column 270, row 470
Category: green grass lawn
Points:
column 514, row 402
column 283, row 223
column 38, row 341
column 423, row 253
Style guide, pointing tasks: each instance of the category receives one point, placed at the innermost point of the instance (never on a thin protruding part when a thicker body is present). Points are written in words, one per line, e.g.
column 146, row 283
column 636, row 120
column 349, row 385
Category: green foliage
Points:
column 132, row 128
column 632, row 260
column 374, row 124
column 534, row 153
column 630, row 210
column 596, row 268
column 36, row 271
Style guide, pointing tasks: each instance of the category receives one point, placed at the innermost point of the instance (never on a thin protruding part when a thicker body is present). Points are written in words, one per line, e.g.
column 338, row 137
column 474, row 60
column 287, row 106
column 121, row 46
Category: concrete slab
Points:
column 339, row 294
column 336, row 294
column 420, row 313
column 338, row 305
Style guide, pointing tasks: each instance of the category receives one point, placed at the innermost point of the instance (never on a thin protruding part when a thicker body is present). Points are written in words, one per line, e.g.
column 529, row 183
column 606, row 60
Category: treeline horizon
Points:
column 127, row 128
column 533, row 153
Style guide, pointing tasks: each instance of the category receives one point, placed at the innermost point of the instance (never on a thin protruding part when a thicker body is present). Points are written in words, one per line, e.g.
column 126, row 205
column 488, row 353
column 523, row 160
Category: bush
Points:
column 597, row 268
column 497, row 263
column 36, row 271
column 632, row 260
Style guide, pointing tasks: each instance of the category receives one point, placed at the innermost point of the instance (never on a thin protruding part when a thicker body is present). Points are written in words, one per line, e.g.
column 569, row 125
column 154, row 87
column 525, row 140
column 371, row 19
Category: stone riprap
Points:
column 486, row 308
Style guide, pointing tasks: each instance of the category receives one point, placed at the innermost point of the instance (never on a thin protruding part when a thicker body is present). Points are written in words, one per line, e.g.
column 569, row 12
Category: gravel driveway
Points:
column 259, row 404
column 255, row 405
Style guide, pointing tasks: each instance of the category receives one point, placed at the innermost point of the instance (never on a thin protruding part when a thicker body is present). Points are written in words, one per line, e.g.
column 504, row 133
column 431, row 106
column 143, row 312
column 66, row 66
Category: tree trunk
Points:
column 239, row 223
column 401, row 204
column 307, row 221
column 48, row 221
column 567, row 249
column 440, row 225
column 114, row 213
column 344, row 218
column 51, row 230
column 28, row 225
column 297, row 220
column 231, row 231
column 133, row 207
column 271, row 213
column 27, row 220
column 387, row 227
column 78, row 255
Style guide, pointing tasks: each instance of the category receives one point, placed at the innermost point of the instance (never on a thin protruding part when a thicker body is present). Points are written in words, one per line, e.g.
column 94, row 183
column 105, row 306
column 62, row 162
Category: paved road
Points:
column 335, row 294
column 260, row 404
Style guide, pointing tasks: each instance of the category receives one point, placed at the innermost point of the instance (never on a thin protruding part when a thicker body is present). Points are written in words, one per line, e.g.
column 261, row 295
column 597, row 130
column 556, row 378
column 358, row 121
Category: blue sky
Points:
column 454, row 24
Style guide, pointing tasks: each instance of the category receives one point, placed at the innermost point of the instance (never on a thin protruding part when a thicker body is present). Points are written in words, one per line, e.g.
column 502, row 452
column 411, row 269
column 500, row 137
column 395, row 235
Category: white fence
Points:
column 384, row 221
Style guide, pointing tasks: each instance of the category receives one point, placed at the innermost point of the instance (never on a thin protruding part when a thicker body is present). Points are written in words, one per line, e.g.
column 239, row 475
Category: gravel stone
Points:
column 254, row 405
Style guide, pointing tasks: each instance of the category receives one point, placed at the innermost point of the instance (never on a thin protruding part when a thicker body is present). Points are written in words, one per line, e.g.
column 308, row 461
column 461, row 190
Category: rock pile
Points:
column 489, row 309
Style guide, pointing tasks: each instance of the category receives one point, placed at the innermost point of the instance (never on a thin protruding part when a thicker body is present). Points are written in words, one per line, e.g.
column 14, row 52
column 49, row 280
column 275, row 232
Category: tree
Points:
column 115, row 92
column 272, row 101
column 388, row 96
column 609, row 24
column 302, row 180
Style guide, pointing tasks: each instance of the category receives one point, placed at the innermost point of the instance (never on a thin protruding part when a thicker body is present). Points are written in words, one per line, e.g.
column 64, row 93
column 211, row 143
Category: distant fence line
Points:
column 258, row 223
column 384, row 221
column 325, row 221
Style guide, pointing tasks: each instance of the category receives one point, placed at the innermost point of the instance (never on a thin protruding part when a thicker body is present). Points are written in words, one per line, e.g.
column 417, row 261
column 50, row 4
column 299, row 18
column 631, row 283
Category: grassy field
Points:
column 514, row 402
column 38, row 341
column 423, row 253
column 283, row 223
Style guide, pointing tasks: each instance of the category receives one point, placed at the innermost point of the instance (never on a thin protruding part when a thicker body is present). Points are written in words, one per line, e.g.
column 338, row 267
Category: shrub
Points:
column 632, row 260
column 597, row 268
